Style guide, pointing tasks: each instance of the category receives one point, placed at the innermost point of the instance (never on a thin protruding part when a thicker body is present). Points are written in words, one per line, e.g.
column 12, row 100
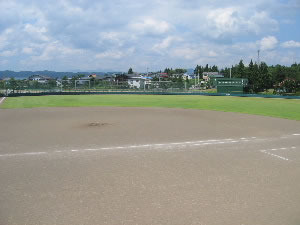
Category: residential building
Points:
column 40, row 79
column 138, row 82
column 208, row 75
column 188, row 76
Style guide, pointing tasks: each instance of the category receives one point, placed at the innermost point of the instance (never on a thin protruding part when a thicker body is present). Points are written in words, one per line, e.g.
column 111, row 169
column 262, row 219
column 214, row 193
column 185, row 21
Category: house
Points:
column 138, row 82
column 83, row 80
column 208, row 75
column 109, row 78
column 188, row 76
column 40, row 79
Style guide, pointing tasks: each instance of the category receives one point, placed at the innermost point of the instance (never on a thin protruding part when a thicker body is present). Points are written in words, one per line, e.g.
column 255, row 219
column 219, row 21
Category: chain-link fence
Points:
column 73, row 87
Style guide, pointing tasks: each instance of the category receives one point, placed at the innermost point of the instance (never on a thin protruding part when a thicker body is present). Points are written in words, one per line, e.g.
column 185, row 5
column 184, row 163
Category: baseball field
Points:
column 124, row 159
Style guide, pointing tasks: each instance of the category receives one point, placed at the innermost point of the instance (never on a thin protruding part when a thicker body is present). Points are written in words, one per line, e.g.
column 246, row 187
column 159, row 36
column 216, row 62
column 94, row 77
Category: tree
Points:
column 279, row 74
column 206, row 68
column 214, row 69
column 256, row 86
column 130, row 71
column 251, row 75
column 180, row 71
column 2, row 84
column 52, row 83
column 65, row 82
column 121, row 78
column 225, row 72
column 13, row 84
column 265, row 76
column 240, row 73
column 288, row 86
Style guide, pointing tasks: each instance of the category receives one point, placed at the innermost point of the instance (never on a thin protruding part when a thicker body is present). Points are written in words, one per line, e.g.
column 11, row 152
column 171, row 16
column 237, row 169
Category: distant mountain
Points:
column 25, row 74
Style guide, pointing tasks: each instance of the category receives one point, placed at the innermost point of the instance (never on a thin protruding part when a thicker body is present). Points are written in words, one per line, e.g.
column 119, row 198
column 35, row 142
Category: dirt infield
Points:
column 107, row 165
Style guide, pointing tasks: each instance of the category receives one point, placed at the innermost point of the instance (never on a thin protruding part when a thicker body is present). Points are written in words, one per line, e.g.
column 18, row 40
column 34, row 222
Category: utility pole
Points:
column 258, row 58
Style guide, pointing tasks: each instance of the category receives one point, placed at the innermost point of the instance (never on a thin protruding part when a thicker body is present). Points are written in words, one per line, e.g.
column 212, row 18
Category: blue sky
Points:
column 114, row 35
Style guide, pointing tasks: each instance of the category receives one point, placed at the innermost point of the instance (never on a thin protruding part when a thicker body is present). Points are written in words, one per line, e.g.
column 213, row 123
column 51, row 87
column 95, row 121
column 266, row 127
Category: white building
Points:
column 188, row 76
column 40, row 79
column 138, row 82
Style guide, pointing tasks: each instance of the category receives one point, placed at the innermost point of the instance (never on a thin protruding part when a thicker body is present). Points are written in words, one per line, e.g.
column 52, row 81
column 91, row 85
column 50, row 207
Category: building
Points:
column 138, row 82
column 188, row 76
column 208, row 75
column 40, row 79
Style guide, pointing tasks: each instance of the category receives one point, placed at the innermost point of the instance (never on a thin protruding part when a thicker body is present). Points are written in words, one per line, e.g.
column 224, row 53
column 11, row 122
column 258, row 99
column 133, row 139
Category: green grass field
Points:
column 282, row 108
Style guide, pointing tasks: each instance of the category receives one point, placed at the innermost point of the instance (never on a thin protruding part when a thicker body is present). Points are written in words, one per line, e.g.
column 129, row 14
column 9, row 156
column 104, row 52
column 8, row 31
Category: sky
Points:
column 113, row 35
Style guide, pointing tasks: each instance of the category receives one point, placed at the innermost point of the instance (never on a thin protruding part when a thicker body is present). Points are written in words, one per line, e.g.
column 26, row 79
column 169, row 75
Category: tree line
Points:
column 261, row 76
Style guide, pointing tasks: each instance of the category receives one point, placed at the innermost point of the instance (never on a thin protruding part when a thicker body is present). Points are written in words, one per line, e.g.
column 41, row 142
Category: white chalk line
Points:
column 277, row 149
column 2, row 99
column 152, row 146
column 23, row 154
column 274, row 155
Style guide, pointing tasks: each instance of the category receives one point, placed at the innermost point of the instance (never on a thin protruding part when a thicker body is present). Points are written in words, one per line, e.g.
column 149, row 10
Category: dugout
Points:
column 231, row 85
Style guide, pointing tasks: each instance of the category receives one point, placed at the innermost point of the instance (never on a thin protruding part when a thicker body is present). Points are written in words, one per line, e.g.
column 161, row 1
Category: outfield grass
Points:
column 283, row 108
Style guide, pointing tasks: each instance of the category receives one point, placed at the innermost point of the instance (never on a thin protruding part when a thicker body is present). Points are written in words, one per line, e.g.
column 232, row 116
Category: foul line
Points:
column 277, row 149
column 2, row 99
column 143, row 146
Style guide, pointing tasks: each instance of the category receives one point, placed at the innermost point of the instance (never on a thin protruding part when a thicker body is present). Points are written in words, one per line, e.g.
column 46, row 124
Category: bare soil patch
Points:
column 224, row 184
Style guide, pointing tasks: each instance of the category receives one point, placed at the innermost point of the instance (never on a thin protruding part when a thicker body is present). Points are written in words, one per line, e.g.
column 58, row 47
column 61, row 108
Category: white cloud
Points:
column 185, row 53
column 114, row 54
column 261, row 22
column 224, row 20
column 166, row 43
column 36, row 32
column 91, row 34
column 152, row 26
column 268, row 43
column 8, row 53
column 212, row 53
column 291, row 44
column 55, row 50
column 27, row 50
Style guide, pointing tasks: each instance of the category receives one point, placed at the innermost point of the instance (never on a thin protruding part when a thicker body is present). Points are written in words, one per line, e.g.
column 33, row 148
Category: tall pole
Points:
column 258, row 58
column 230, row 72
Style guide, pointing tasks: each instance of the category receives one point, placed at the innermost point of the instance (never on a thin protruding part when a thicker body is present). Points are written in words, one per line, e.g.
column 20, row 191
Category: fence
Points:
column 137, row 92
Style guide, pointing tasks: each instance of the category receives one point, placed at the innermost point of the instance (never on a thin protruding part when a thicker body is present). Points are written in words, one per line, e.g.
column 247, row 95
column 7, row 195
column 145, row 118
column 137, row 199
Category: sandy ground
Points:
column 147, row 166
